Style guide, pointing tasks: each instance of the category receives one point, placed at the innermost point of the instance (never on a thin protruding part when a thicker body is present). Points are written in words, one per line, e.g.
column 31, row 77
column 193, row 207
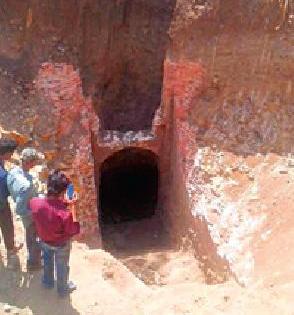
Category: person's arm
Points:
column 71, row 227
column 71, row 224
column 21, row 190
column 21, row 201
column 73, row 211
column 71, row 204
column 4, row 193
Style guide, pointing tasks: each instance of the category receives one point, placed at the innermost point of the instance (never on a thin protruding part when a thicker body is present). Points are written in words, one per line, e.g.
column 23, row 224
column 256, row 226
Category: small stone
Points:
column 7, row 308
column 226, row 298
column 251, row 176
column 108, row 275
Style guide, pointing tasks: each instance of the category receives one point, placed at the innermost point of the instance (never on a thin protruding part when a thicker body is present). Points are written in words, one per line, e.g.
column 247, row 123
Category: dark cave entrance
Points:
column 128, row 187
column 129, row 214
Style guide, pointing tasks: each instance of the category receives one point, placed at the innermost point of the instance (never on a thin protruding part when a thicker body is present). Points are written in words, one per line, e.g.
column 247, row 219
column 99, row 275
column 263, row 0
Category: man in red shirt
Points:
column 56, row 222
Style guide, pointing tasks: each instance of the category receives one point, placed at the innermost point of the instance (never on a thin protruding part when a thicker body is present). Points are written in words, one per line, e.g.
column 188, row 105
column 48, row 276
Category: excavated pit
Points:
column 113, row 52
column 128, row 190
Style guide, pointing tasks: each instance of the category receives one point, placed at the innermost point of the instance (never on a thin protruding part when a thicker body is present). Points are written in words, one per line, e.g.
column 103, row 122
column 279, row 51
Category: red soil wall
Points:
column 224, row 130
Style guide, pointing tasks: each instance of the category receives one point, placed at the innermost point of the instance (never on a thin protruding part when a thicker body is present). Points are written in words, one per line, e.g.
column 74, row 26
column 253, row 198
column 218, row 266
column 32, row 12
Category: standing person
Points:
column 56, row 223
column 22, row 190
column 7, row 148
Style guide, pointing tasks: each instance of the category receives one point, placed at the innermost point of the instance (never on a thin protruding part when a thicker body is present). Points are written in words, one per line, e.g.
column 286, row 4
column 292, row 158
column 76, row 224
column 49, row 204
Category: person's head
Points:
column 7, row 148
column 57, row 184
column 30, row 157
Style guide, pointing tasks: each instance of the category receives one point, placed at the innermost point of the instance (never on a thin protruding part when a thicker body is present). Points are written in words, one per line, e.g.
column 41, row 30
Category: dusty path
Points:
column 150, row 282
column 145, row 248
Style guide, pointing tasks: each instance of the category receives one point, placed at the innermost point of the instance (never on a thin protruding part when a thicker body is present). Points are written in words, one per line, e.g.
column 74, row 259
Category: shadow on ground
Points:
column 23, row 290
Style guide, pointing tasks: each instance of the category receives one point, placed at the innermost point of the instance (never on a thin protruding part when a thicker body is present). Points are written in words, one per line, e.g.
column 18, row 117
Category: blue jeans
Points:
column 33, row 246
column 58, row 256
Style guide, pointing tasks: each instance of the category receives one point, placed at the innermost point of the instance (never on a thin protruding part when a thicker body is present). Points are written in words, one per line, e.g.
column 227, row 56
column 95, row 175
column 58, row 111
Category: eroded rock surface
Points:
column 82, row 79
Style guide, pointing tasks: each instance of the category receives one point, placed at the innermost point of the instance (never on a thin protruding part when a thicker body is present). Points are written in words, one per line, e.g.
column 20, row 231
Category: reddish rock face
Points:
column 118, row 46
column 204, row 86
column 69, row 122
column 122, row 62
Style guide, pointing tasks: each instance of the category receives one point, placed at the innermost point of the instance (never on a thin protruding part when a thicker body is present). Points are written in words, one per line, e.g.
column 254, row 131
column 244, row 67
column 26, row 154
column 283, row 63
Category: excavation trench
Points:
column 128, row 190
column 132, row 220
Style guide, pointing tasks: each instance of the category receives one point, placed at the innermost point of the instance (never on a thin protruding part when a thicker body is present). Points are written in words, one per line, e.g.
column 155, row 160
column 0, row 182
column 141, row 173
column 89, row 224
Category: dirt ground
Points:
column 138, row 274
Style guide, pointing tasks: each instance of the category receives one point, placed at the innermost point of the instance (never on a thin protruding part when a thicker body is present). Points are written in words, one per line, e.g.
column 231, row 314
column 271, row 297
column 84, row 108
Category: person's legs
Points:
column 33, row 248
column 62, row 270
column 7, row 228
column 48, row 258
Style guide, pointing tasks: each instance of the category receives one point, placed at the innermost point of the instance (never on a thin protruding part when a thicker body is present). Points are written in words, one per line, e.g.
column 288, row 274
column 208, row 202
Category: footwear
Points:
column 68, row 290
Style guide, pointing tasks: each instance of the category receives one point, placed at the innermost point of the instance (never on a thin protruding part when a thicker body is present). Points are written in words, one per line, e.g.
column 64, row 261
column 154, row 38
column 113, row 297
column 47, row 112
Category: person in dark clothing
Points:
column 56, row 223
column 7, row 147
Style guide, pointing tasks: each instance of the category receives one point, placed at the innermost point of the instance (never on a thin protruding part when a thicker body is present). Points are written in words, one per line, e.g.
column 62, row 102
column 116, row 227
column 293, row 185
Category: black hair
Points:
column 57, row 183
column 7, row 146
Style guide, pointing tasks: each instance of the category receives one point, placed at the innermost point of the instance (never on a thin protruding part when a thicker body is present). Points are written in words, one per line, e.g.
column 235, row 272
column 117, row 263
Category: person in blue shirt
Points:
column 22, row 189
column 7, row 148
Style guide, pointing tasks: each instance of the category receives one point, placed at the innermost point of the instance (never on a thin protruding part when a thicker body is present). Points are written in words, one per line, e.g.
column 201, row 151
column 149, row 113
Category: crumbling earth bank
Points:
column 243, row 161
column 223, row 132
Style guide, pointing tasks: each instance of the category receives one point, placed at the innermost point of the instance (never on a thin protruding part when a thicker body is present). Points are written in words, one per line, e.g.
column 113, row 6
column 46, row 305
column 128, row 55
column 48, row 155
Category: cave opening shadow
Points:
column 128, row 191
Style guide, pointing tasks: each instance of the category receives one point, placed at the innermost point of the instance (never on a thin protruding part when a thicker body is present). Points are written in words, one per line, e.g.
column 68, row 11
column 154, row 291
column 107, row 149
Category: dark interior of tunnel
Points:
column 122, row 42
column 128, row 187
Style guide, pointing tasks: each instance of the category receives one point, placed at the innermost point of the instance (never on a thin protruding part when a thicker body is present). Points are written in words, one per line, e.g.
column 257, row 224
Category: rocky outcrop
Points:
column 206, row 85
